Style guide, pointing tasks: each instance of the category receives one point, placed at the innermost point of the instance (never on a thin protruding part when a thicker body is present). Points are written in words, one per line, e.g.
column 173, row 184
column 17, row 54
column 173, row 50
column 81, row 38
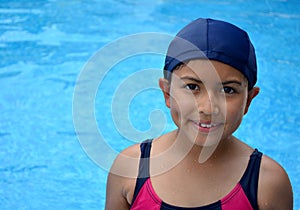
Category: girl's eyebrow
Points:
column 232, row 82
column 191, row 78
column 223, row 83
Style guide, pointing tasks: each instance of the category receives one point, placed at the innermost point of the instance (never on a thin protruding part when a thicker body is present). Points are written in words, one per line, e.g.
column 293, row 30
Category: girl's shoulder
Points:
column 121, row 178
column 126, row 164
column 127, row 161
column 274, row 187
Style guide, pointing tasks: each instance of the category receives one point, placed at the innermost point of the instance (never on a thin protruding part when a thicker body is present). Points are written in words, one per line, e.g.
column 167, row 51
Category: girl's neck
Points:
column 201, row 154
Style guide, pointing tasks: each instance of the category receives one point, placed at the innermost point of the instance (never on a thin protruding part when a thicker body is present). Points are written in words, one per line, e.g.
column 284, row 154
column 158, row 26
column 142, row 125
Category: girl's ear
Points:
column 165, row 88
column 251, row 95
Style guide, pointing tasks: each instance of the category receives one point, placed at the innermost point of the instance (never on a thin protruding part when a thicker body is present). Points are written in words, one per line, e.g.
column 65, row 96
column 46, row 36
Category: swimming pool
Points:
column 44, row 48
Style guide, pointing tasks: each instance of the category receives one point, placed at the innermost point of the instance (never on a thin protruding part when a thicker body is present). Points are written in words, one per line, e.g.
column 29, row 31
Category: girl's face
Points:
column 207, row 99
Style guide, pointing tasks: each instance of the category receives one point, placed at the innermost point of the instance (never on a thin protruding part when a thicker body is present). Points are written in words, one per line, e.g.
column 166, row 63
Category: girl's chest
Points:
column 194, row 187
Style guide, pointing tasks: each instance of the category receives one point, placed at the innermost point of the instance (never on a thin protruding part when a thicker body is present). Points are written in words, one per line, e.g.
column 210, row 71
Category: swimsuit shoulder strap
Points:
column 249, row 181
column 144, row 173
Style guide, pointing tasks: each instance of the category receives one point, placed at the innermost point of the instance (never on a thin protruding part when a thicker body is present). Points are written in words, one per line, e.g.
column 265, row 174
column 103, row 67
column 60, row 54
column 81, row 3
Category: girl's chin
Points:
column 203, row 140
column 203, row 136
column 209, row 141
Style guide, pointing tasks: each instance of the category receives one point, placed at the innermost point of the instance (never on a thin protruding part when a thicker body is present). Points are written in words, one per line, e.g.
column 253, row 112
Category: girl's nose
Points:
column 208, row 105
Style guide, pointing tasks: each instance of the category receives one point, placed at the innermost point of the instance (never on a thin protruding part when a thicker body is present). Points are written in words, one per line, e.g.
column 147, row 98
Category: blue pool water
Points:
column 44, row 46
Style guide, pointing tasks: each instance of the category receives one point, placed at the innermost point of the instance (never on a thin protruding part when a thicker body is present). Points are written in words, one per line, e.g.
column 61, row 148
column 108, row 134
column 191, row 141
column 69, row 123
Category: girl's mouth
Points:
column 206, row 127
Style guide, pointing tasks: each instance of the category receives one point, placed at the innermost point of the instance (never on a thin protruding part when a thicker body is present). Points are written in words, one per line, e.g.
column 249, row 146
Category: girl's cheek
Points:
column 184, row 104
column 234, row 116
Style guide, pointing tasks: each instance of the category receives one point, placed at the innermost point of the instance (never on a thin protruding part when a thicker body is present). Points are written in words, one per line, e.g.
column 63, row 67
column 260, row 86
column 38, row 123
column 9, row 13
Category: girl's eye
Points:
column 192, row 87
column 228, row 90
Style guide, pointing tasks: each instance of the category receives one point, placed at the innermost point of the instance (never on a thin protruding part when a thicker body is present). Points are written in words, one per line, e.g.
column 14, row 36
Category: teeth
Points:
column 206, row 125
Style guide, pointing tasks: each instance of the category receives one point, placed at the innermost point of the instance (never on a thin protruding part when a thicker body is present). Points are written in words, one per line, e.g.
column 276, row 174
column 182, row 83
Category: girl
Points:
column 209, row 82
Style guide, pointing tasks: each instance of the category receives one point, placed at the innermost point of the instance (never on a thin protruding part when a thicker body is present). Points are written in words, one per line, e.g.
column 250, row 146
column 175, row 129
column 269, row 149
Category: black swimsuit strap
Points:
column 249, row 181
column 144, row 173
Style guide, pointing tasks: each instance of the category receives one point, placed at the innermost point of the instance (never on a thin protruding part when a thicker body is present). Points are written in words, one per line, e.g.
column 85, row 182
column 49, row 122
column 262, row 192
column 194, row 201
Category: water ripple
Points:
column 9, row 74
column 16, row 169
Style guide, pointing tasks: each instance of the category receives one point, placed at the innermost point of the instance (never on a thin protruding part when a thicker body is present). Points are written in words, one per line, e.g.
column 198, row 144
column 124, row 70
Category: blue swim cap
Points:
column 214, row 40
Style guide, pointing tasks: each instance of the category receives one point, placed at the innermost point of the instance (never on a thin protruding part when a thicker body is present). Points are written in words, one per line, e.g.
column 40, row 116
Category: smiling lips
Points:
column 207, row 127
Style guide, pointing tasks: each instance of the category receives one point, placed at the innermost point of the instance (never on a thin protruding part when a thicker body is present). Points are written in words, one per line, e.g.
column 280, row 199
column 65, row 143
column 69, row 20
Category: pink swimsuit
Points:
column 242, row 197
